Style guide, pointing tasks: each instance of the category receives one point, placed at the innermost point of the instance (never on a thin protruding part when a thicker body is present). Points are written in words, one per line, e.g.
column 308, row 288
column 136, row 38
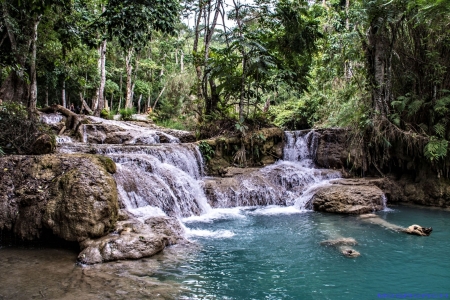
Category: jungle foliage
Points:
column 377, row 67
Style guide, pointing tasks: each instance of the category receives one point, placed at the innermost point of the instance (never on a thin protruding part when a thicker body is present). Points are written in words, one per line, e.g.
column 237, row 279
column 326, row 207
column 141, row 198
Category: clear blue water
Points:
column 249, row 254
column 280, row 257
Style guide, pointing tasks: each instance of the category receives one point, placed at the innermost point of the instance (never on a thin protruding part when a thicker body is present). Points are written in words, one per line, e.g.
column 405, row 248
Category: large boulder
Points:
column 348, row 196
column 73, row 196
column 132, row 239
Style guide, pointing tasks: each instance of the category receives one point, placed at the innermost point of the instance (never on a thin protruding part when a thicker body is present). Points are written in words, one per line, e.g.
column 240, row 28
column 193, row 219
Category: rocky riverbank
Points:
column 74, row 197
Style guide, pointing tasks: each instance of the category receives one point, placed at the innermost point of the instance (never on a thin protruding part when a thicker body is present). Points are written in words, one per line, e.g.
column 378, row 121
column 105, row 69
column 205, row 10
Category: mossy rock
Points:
column 109, row 164
column 73, row 195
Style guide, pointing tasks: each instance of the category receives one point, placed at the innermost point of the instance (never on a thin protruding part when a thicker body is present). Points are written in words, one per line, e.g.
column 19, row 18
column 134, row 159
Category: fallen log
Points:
column 73, row 121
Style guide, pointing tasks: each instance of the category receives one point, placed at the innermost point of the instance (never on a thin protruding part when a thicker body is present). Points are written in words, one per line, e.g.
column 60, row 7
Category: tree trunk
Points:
column 129, row 66
column 182, row 61
column 63, row 94
column 377, row 67
column 139, row 104
column 241, row 96
column 33, row 87
column 101, row 91
column 46, row 95
column 14, row 87
column 195, row 50
column 160, row 94
column 120, row 92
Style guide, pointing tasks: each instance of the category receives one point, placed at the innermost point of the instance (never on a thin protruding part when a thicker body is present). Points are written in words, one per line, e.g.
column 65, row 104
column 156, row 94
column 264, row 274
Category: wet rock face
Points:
column 348, row 196
column 332, row 148
column 132, row 239
column 72, row 195
column 263, row 147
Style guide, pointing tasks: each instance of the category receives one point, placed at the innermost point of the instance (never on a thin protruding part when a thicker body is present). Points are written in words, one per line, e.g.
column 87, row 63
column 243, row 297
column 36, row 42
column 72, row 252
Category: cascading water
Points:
column 168, row 178
column 51, row 118
column 154, row 180
column 289, row 182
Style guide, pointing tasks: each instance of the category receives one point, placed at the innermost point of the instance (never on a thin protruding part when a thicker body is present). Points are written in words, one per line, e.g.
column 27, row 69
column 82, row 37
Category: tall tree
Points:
column 132, row 21
column 19, row 47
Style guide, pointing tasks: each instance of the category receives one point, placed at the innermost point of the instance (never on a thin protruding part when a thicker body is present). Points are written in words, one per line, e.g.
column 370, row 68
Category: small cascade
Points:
column 62, row 139
column 301, row 146
column 289, row 182
column 385, row 207
column 54, row 118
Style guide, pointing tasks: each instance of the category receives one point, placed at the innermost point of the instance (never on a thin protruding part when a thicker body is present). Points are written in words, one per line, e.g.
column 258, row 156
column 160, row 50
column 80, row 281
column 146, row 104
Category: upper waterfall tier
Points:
column 101, row 131
column 301, row 146
column 186, row 157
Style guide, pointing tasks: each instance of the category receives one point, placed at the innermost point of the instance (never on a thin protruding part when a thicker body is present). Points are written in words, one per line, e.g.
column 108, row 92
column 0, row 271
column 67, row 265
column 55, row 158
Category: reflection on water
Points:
column 274, row 253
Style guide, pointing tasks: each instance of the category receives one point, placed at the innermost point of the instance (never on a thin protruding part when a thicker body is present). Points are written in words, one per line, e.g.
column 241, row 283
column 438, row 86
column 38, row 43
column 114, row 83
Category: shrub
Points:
column 206, row 150
column 126, row 114
column 107, row 114
column 19, row 129
column 173, row 124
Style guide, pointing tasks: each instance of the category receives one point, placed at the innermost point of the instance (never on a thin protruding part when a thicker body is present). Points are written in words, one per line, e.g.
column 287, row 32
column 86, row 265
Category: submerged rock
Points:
column 418, row 230
column 72, row 195
column 348, row 196
column 132, row 239
column 342, row 244
column 413, row 229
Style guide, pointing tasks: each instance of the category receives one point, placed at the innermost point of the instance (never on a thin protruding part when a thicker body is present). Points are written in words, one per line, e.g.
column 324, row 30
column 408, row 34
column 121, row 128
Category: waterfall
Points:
column 301, row 146
column 145, row 182
column 168, row 179
column 289, row 182
column 162, row 179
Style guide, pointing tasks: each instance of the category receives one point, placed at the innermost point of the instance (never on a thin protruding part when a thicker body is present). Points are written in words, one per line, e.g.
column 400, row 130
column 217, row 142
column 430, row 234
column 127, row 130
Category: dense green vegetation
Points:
column 378, row 67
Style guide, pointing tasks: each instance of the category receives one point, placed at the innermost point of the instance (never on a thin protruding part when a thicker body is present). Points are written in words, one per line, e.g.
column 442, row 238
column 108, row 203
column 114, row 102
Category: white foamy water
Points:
column 144, row 180
column 190, row 232
column 216, row 214
column 144, row 212
column 62, row 139
column 51, row 118
column 290, row 182
column 277, row 210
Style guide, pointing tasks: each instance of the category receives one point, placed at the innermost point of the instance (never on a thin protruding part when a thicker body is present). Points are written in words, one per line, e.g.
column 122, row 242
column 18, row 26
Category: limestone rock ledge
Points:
column 132, row 239
column 348, row 196
column 73, row 196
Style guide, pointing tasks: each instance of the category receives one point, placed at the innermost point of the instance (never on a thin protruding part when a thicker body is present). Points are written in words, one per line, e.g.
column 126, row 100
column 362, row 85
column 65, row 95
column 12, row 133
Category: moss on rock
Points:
column 73, row 195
